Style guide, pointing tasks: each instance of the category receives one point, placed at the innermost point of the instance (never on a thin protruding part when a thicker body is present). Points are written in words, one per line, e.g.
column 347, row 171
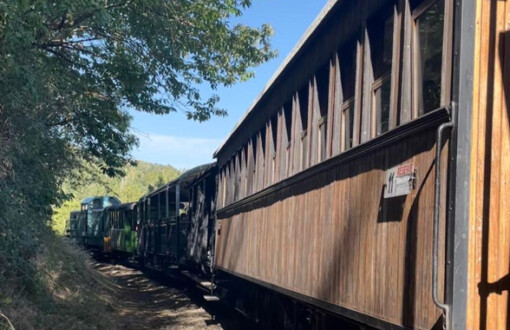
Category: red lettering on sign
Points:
column 404, row 170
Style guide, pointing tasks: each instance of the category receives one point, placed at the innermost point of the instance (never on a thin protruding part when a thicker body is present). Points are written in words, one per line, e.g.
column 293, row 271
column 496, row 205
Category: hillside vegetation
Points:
column 138, row 180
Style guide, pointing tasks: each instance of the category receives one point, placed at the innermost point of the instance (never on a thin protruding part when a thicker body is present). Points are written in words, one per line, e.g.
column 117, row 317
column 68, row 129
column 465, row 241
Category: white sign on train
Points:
column 399, row 180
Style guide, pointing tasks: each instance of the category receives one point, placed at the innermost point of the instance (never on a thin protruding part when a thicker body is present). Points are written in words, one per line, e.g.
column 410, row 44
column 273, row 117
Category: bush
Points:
column 56, row 288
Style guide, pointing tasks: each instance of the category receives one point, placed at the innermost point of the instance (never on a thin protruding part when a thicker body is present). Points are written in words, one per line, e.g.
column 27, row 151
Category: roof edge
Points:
column 283, row 66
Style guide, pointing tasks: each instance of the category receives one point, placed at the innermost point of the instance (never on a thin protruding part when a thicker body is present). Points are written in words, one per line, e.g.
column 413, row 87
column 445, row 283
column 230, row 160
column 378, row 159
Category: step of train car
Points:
column 201, row 283
column 210, row 298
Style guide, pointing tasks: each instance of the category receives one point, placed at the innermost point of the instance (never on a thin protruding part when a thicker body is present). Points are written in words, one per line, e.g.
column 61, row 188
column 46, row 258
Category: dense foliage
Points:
column 70, row 69
column 136, row 182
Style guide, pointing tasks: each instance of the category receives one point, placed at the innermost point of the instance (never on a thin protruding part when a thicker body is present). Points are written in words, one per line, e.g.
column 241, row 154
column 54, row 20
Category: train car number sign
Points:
column 399, row 180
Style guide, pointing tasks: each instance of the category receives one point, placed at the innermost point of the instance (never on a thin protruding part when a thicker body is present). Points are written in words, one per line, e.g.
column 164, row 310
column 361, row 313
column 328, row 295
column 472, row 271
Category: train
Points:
column 367, row 185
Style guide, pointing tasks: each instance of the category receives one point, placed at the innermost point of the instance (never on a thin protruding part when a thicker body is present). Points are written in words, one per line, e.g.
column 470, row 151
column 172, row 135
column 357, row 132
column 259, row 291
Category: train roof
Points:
column 184, row 179
column 283, row 68
column 89, row 199
column 189, row 176
column 122, row 207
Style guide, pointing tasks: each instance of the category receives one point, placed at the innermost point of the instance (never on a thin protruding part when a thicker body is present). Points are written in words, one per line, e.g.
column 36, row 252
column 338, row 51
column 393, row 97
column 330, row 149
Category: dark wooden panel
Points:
column 332, row 236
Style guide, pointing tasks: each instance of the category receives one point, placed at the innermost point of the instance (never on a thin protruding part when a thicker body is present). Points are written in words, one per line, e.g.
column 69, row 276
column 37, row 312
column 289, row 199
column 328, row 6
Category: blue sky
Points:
column 174, row 140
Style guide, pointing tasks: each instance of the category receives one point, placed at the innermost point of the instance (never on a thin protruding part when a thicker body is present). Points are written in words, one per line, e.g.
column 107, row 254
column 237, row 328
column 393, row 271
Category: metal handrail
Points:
column 437, row 202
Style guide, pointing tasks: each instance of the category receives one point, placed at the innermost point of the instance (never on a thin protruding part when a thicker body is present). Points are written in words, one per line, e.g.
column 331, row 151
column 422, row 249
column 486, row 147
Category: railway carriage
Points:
column 120, row 229
column 164, row 223
column 370, row 178
column 202, row 221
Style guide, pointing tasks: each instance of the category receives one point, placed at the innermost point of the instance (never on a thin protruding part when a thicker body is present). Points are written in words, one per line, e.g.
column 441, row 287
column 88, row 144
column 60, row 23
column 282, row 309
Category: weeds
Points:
column 61, row 292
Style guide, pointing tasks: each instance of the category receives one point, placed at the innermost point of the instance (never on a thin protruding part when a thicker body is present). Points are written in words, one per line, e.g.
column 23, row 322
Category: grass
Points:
column 66, row 292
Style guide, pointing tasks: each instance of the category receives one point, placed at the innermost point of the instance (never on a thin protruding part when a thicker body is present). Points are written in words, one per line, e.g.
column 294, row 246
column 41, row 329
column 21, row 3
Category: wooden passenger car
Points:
column 201, row 218
column 304, row 201
column 164, row 221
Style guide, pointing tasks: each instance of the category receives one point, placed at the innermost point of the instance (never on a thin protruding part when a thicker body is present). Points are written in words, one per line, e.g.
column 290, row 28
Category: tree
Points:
column 80, row 64
column 70, row 69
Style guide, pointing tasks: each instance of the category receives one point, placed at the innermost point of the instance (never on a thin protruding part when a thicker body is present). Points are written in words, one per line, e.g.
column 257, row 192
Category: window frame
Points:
column 377, row 115
column 304, row 117
column 446, row 65
column 322, row 81
column 354, row 45
column 394, row 9
column 344, row 108
column 287, row 110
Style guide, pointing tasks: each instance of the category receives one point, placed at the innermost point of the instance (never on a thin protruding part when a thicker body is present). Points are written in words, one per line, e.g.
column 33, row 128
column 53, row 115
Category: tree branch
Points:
column 10, row 326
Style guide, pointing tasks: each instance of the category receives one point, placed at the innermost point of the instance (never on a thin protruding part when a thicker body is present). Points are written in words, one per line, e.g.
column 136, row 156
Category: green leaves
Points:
column 79, row 62
column 70, row 69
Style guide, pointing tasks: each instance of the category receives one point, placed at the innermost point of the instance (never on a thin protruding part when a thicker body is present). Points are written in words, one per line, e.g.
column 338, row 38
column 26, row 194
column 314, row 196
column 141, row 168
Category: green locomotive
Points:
column 87, row 225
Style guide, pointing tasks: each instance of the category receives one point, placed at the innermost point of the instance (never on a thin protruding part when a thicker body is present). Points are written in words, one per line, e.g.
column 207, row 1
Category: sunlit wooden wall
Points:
column 489, row 254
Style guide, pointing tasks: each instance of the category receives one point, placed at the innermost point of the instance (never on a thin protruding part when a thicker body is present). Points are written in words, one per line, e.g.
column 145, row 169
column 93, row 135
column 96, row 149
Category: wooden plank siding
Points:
column 333, row 237
column 489, row 223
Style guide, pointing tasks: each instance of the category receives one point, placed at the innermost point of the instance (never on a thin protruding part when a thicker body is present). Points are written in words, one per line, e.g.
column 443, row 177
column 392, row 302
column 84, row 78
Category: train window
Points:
column 147, row 204
column 428, row 41
column 348, row 123
column 153, row 208
column 231, row 180
column 237, row 175
column 245, row 170
column 273, row 125
column 286, row 138
column 303, row 116
column 322, row 80
column 380, row 33
column 274, row 135
column 263, row 148
column 254, row 150
column 303, row 106
column 263, row 139
column 262, row 151
column 287, row 113
column 97, row 203
column 147, row 210
column 347, row 60
column 228, row 180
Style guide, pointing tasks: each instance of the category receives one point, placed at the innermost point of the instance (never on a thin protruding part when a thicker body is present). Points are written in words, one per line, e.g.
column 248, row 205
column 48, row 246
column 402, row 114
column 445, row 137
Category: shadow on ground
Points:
column 143, row 300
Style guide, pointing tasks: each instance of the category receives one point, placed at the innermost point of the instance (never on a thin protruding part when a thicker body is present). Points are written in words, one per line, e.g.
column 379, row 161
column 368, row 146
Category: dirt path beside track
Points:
column 143, row 302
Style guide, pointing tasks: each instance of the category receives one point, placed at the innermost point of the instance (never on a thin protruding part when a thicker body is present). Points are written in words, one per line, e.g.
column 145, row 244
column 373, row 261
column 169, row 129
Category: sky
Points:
column 174, row 140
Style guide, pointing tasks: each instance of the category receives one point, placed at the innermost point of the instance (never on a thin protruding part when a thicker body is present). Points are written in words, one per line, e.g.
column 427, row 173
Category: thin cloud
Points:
column 180, row 152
